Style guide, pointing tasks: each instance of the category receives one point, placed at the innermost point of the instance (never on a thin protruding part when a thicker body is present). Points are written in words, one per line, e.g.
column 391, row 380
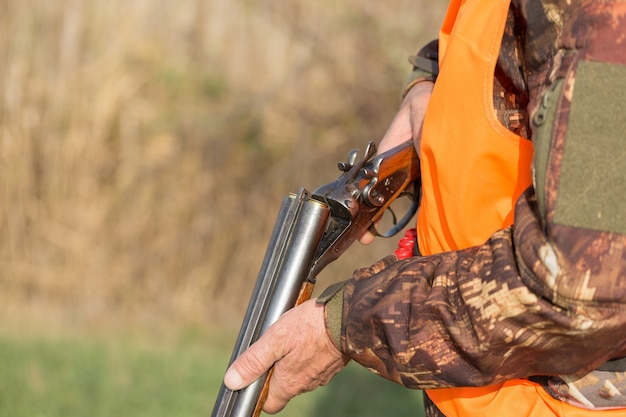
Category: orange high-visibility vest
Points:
column 473, row 167
column 473, row 171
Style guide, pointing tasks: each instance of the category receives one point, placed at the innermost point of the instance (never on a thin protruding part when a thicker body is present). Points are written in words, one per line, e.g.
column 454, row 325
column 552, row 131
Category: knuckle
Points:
column 252, row 361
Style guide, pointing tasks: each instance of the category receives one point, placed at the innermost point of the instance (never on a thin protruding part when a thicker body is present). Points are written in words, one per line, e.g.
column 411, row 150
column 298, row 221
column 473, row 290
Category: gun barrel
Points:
column 290, row 254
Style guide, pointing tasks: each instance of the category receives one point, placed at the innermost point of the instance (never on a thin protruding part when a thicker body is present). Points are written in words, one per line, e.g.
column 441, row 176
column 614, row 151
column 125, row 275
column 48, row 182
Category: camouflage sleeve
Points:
column 546, row 296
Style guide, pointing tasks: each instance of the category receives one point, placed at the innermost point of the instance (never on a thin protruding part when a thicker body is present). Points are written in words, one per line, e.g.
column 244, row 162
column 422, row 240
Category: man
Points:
column 518, row 302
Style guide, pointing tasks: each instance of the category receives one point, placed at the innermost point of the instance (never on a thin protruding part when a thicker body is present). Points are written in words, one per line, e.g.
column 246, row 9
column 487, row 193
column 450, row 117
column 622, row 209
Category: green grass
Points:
column 66, row 377
column 355, row 392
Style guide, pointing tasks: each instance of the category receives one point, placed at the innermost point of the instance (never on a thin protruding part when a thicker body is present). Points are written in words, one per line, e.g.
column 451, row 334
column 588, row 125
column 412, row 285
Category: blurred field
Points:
column 69, row 377
column 145, row 146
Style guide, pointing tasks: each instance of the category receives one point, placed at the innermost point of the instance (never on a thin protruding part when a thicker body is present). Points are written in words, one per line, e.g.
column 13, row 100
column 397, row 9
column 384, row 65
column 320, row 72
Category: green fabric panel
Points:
column 592, row 188
column 332, row 297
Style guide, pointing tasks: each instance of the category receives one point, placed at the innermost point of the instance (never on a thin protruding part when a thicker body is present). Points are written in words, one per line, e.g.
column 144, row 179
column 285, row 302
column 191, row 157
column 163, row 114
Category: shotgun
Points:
column 311, row 231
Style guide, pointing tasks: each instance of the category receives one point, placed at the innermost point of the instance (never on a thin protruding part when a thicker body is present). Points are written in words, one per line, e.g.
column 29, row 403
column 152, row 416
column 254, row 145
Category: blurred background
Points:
column 145, row 147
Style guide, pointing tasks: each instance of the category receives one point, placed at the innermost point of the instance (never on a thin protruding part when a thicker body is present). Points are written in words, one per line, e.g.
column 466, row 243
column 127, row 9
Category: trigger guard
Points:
column 398, row 225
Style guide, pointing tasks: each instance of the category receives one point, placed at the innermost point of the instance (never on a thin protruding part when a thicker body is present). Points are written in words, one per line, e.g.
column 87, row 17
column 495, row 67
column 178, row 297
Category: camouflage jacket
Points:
column 545, row 298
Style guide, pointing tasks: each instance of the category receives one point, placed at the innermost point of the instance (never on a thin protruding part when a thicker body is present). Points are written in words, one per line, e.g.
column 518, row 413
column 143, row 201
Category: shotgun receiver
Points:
column 311, row 231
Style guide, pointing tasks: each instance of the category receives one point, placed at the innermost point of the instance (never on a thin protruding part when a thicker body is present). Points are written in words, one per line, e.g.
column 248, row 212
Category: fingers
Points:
column 310, row 356
column 301, row 351
column 290, row 380
column 366, row 238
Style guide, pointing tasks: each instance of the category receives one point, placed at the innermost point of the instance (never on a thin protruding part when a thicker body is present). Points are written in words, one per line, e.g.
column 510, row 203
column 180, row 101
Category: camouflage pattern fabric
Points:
column 545, row 298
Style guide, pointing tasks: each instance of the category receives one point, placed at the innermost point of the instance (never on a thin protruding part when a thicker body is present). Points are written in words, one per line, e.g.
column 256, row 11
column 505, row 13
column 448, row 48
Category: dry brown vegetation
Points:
column 145, row 145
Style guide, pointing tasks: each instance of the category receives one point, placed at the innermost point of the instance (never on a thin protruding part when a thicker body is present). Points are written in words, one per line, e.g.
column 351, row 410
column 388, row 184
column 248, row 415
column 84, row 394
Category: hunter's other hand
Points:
column 407, row 124
column 301, row 351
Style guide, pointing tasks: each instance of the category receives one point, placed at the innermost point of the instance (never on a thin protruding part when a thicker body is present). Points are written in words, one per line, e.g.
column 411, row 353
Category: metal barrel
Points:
column 290, row 254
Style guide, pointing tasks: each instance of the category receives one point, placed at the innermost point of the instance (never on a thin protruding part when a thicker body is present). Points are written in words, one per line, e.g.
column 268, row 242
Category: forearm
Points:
column 472, row 318
column 415, row 95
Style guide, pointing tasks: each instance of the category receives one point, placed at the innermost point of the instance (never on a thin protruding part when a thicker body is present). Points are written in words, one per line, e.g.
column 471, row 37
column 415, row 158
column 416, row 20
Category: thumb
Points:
column 233, row 379
column 250, row 365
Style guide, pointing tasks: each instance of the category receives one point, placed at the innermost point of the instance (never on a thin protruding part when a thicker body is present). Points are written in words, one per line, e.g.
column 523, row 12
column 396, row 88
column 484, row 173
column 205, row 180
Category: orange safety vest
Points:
column 473, row 171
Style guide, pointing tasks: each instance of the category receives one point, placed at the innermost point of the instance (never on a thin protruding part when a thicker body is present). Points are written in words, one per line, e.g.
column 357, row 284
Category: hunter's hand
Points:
column 407, row 124
column 301, row 351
